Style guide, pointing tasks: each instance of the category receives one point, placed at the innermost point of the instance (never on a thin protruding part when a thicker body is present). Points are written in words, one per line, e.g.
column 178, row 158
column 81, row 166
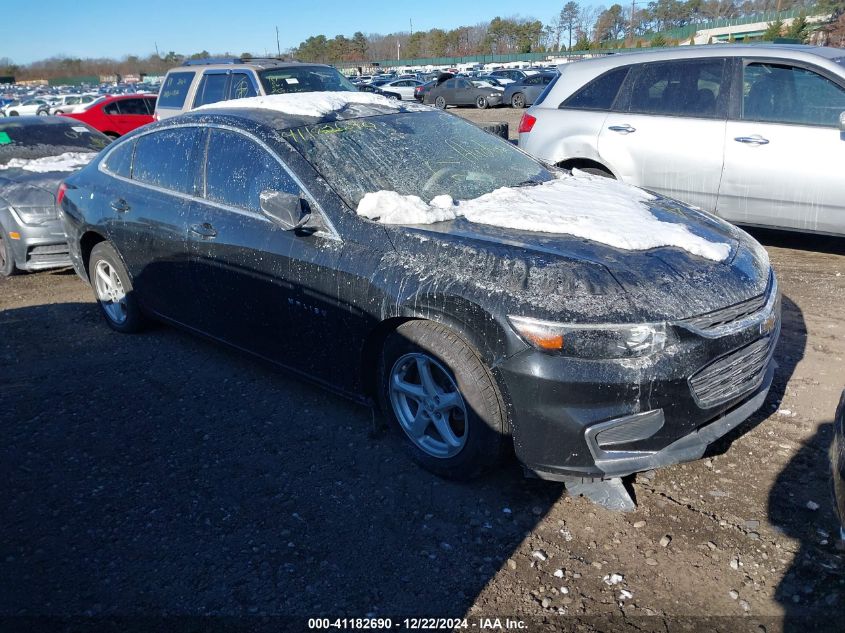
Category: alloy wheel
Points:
column 110, row 292
column 428, row 405
column 518, row 101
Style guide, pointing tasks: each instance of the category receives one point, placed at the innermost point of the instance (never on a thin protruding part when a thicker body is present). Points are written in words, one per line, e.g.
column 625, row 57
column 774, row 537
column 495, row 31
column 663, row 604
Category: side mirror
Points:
column 842, row 121
column 284, row 208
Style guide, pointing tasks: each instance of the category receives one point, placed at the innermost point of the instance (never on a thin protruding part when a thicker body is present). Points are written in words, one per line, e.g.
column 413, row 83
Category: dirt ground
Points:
column 162, row 476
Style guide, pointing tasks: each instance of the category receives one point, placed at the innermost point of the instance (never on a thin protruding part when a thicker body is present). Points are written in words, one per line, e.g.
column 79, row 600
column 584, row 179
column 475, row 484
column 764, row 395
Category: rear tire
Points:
column 463, row 400
column 113, row 290
column 440, row 102
column 7, row 257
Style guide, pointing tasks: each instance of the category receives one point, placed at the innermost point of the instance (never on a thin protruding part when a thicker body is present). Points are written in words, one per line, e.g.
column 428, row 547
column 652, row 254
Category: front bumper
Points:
column 40, row 247
column 611, row 418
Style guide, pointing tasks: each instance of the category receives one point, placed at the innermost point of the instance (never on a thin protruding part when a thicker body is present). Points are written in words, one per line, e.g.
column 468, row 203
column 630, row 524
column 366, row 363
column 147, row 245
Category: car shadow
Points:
column 798, row 241
column 800, row 507
column 158, row 475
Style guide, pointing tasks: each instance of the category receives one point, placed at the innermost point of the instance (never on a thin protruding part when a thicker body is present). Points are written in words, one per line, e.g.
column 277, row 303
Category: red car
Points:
column 116, row 116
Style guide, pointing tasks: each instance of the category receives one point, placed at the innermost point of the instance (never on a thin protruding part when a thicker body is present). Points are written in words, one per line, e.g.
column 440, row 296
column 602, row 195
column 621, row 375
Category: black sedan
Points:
column 321, row 244
column 373, row 89
column 36, row 153
column 837, row 462
column 458, row 91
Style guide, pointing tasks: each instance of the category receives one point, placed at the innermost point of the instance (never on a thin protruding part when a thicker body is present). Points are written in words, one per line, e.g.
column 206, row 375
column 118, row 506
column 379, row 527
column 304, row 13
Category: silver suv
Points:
column 201, row 81
column 755, row 134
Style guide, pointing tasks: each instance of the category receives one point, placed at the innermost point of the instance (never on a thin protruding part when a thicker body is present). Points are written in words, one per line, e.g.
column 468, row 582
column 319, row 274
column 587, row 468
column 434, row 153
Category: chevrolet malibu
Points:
column 480, row 298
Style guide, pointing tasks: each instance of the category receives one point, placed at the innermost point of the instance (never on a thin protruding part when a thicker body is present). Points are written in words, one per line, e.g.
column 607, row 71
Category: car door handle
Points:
column 622, row 129
column 120, row 205
column 756, row 139
column 204, row 230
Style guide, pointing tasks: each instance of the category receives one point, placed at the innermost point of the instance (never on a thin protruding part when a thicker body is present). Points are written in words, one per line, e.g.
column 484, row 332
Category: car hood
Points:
column 555, row 275
column 26, row 188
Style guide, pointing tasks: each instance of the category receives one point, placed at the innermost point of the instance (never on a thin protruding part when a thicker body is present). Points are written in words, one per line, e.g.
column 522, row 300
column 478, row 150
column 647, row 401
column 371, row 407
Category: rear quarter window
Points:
column 175, row 90
column 600, row 93
column 119, row 160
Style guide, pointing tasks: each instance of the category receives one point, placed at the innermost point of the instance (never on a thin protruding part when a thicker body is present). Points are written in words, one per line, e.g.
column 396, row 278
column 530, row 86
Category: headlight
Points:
column 34, row 216
column 593, row 341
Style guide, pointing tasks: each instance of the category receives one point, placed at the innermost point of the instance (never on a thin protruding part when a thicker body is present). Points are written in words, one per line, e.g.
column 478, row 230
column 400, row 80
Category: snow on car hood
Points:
column 580, row 204
column 312, row 103
column 69, row 161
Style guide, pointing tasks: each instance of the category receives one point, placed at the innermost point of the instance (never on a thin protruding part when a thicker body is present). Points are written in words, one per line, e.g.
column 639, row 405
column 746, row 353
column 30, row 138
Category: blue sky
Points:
column 36, row 29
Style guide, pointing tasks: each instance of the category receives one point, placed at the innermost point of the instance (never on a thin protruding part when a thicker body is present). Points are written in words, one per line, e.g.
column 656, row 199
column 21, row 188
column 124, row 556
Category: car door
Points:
column 666, row 132
column 263, row 288
column 155, row 180
column 784, row 150
column 464, row 92
column 128, row 114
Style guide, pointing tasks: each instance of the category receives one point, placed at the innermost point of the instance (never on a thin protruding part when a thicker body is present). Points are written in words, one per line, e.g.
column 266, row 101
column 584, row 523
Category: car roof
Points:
column 276, row 120
column 784, row 51
column 234, row 64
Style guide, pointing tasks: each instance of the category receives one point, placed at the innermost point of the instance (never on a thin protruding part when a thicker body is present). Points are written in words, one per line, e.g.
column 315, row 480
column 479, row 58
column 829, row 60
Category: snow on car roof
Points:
column 583, row 205
column 316, row 104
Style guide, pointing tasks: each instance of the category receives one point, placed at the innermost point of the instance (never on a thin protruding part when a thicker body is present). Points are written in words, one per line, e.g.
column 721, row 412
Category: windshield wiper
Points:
column 528, row 183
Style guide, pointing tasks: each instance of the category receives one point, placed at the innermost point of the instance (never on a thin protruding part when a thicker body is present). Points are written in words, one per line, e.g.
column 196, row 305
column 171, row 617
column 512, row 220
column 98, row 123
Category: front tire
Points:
column 439, row 392
column 481, row 103
column 113, row 290
column 518, row 100
column 440, row 102
column 7, row 257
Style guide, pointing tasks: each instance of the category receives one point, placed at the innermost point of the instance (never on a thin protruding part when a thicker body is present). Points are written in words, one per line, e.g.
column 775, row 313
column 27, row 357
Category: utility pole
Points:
column 398, row 45
column 411, row 22
column 631, row 26
column 156, row 45
column 278, row 48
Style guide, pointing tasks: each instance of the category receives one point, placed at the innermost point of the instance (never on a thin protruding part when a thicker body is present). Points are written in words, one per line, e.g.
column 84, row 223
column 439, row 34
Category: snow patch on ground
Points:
column 311, row 103
column 580, row 204
column 69, row 161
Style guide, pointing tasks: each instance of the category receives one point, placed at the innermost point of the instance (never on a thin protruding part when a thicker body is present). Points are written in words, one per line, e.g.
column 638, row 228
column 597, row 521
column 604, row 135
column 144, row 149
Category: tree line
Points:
column 574, row 27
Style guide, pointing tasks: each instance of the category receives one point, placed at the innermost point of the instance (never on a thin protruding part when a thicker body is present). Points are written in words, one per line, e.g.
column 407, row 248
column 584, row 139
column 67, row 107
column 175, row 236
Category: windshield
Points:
column 304, row 79
column 39, row 140
column 422, row 154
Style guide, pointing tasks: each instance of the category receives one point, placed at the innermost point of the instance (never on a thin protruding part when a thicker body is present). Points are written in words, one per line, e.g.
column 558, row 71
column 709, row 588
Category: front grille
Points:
column 732, row 375
column 724, row 316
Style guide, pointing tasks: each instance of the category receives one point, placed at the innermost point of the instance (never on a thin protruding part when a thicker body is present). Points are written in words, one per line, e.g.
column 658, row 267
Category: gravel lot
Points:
column 161, row 475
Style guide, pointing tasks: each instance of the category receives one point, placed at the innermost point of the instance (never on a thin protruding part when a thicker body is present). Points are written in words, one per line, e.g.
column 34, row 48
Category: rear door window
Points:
column 679, row 88
column 237, row 170
column 167, row 159
column 132, row 106
column 780, row 93
column 212, row 88
column 175, row 89
column 600, row 93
